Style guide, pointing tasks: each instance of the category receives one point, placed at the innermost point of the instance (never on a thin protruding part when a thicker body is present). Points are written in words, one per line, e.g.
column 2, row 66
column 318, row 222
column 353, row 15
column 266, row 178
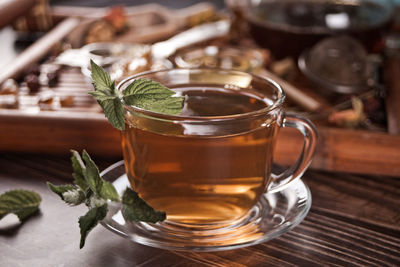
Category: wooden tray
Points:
column 147, row 23
column 84, row 127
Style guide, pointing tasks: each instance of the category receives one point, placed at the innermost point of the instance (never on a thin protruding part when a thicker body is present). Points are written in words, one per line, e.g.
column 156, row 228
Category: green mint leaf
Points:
column 74, row 197
column 101, row 79
column 99, row 187
column 22, row 203
column 92, row 174
column 170, row 106
column 60, row 189
column 142, row 90
column 142, row 93
column 90, row 220
column 101, row 96
column 108, row 191
column 114, row 112
column 136, row 209
column 153, row 96
column 95, row 196
column 69, row 193
column 79, row 168
column 95, row 201
column 112, row 107
column 107, row 96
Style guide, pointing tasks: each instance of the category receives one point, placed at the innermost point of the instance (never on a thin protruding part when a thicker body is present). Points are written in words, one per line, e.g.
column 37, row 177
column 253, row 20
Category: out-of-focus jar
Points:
column 287, row 27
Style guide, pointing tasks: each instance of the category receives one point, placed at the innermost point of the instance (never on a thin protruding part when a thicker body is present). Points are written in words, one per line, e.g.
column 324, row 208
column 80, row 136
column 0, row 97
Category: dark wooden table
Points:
column 354, row 221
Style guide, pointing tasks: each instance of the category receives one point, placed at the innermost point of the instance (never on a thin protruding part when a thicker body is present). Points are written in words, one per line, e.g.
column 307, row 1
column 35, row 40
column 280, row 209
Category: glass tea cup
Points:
column 210, row 165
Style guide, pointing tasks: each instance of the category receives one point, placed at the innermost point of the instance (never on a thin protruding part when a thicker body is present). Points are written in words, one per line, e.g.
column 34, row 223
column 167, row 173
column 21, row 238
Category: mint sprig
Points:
column 92, row 190
column 22, row 203
column 107, row 96
column 142, row 93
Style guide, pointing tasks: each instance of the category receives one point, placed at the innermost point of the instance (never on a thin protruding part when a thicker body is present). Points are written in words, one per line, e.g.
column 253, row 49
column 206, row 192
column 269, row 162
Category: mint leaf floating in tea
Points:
column 136, row 209
column 90, row 188
column 142, row 93
column 22, row 203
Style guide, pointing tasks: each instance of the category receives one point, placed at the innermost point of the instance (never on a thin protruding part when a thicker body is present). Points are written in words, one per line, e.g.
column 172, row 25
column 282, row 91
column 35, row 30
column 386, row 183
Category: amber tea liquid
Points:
column 199, row 174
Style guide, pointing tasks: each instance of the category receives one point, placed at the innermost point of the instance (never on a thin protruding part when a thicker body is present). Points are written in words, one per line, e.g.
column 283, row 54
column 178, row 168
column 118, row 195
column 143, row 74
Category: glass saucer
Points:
column 274, row 215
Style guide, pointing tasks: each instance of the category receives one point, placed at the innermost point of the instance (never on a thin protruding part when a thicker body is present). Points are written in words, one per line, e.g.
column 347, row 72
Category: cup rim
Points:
column 275, row 105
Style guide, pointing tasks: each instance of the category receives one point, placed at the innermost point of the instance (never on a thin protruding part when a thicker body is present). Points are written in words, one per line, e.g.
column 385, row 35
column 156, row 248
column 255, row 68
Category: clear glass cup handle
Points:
column 307, row 128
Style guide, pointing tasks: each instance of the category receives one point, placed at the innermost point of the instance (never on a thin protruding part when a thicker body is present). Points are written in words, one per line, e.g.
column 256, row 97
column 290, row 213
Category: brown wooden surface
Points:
column 341, row 150
column 354, row 221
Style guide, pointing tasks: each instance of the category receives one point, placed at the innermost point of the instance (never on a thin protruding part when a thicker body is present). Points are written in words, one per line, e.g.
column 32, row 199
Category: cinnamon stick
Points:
column 295, row 94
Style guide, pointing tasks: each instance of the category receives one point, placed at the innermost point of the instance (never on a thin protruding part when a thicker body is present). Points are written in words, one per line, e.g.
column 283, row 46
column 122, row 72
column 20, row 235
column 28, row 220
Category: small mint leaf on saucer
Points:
column 135, row 209
column 90, row 220
column 22, row 203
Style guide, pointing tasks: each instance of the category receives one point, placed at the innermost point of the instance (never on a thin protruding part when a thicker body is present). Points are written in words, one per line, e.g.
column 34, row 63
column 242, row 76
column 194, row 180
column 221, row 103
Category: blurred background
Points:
column 102, row 3
column 338, row 61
